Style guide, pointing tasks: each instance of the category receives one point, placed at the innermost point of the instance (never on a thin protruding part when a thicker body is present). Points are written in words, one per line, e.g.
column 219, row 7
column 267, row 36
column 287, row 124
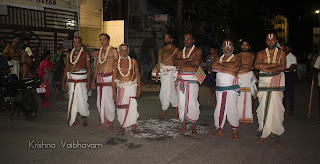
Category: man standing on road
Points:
column 78, row 73
column 271, row 62
column 247, row 84
column 227, row 90
column 291, row 64
column 103, row 75
column 126, row 88
column 13, row 51
column 168, row 93
column 211, row 77
column 188, row 61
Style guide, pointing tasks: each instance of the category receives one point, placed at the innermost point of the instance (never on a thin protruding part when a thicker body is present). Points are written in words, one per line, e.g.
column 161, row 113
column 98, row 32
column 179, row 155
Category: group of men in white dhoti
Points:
column 235, row 86
column 116, row 79
column 179, row 85
column 118, row 82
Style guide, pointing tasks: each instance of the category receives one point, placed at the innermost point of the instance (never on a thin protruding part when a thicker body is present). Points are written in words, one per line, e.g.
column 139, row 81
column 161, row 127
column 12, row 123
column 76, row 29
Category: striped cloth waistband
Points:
column 104, row 84
column 229, row 88
column 105, row 74
column 77, row 81
column 268, row 74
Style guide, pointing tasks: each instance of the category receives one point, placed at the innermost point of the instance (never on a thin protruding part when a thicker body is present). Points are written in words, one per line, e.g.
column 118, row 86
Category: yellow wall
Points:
column 115, row 29
column 91, row 13
column 90, row 36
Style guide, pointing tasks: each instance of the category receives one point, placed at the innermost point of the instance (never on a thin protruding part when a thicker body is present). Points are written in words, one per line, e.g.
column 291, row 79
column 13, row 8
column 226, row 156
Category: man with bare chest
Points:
column 168, row 93
column 247, row 84
column 188, row 61
column 271, row 62
column 13, row 51
column 103, row 76
column 227, row 90
column 126, row 88
column 77, row 71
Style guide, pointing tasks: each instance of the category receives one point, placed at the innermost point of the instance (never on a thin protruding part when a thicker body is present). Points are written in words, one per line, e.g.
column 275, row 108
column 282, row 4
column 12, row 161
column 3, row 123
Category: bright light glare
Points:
column 317, row 11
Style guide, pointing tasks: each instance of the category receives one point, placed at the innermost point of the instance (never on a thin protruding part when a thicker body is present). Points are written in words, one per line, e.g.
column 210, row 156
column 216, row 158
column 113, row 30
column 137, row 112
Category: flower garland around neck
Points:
column 274, row 55
column 78, row 56
column 184, row 52
column 119, row 68
column 105, row 55
column 230, row 57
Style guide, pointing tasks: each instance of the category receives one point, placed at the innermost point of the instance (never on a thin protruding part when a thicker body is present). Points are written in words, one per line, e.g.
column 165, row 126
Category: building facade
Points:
column 47, row 23
column 280, row 24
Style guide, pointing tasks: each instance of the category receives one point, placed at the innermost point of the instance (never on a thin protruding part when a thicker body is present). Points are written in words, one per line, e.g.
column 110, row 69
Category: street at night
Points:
column 20, row 138
column 160, row 81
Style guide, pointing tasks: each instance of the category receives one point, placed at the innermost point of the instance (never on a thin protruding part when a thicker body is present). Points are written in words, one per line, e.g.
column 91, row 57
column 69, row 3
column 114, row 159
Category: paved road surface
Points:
column 157, row 142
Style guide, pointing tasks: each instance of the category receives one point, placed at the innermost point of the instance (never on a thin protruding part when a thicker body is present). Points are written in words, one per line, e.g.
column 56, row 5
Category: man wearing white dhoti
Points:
column 126, row 88
column 188, row 61
column 168, row 93
column 247, row 84
column 271, row 62
column 248, row 89
column 77, row 71
column 103, row 76
column 13, row 51
column 227, row 90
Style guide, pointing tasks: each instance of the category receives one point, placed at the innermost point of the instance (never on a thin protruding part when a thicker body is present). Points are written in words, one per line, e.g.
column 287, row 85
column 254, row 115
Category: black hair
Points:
column 105, row 34
column 78, row 37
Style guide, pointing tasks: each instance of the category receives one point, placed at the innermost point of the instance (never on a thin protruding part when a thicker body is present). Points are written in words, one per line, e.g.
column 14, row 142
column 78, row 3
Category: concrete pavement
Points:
column 157, row 142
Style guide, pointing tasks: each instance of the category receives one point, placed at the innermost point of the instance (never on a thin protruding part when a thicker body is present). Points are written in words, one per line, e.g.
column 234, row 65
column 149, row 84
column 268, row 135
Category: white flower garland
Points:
column 184, row 52
column 78, row 56
column 119, row 68
column 230, row 57
column 105, row 55
column 274, row 55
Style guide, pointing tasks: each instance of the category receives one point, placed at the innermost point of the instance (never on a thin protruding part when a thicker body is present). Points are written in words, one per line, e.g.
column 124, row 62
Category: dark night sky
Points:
column 247, row 22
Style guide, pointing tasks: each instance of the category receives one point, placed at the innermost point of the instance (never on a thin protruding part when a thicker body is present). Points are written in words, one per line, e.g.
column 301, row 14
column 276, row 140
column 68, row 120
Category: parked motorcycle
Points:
column 21, row 96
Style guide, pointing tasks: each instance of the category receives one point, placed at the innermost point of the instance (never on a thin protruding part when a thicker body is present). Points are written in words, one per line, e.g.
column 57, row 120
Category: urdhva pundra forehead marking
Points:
column 228, row 43
column 270, row 36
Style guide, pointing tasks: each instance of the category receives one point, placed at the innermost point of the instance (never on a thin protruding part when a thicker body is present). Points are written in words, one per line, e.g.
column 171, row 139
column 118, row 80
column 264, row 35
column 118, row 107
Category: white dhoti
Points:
column 15, row 67
column 78, row 95
column 248, row 89
column 105, row 101
column 126, row 103
column 227, row 92
column 188, row 92
column 270, row 112
column 168, row 93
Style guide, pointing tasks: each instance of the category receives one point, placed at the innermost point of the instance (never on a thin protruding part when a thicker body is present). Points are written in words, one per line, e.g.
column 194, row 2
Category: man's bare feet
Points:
column 184, row 127
column 163, row 114
column 85, row 122
column 110, row 127
column 105, row 124
column 259, row 140
column 235, row 135
column 194, row 130
column 134, row 131
column 218, row 133
column 182, row 130
column 76, row 122
column 176, row 115
column 121, row 132
column 279, row 144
